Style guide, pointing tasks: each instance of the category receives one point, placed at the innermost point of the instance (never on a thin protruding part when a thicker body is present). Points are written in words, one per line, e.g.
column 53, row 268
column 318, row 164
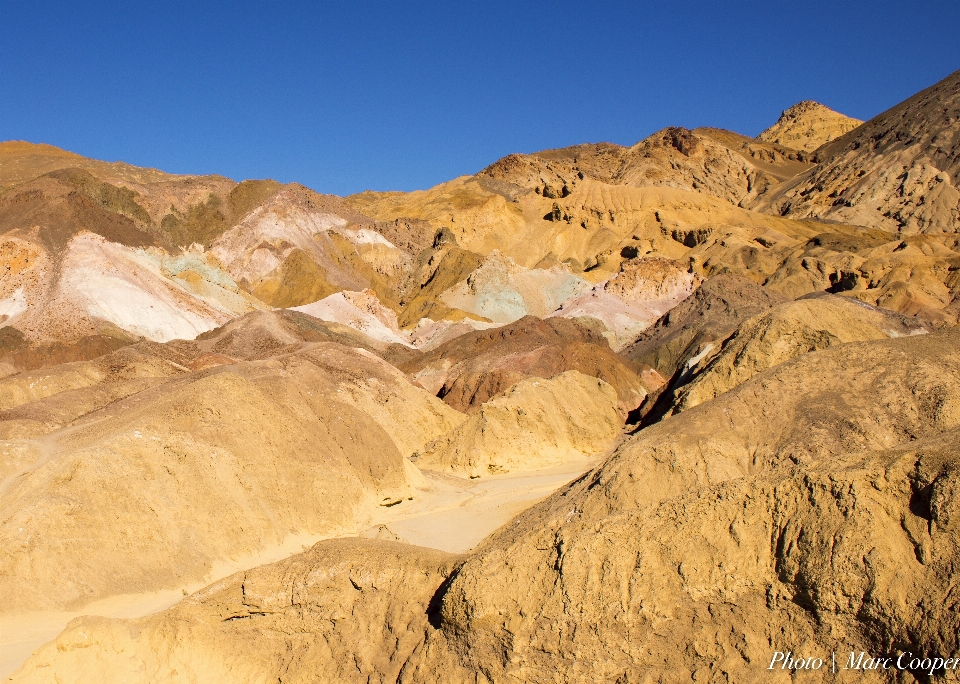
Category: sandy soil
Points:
column 448, row 513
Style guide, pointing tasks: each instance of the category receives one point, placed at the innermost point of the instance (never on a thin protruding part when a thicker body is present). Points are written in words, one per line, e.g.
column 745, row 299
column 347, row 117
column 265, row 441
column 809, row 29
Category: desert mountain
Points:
column 714, row 408
column 899, row 171
column 23, row 161
column 591, row 207
column 100, row 255
column 807, row 126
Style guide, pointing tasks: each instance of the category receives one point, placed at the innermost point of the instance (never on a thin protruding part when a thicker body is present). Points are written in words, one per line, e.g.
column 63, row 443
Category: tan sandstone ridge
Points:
column 149, row 491
column 808, row 125
column 899, row 171
column 587, row 207
column 785, row 332
column 102, row 255
column 536, row 423
column 699, row 547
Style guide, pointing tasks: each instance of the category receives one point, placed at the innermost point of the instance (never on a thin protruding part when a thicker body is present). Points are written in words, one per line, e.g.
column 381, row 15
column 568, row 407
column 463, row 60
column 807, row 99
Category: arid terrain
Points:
column 594, row 414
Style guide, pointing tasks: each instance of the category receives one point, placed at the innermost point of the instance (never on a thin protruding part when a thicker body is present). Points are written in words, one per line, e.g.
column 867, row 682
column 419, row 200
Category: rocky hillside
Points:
column 899, row 171
column 204, row 465
column 807, row 126
column 700, row 546
column 683, row 404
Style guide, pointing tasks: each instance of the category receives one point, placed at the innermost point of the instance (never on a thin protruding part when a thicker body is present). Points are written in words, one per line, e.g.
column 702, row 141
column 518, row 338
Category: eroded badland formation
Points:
column 741, row 354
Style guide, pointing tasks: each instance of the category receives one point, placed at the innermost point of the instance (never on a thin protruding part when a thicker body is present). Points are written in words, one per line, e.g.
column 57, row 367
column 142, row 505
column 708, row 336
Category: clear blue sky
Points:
column 347, row 96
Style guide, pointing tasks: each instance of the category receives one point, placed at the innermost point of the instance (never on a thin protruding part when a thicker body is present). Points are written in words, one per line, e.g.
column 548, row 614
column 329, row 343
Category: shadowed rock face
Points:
column 701, row 543
column 702, row 321
column 478, row 366
column 785, row 332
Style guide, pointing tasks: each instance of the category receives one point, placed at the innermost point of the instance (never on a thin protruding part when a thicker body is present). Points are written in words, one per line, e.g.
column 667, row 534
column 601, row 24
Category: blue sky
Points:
column 347, row 96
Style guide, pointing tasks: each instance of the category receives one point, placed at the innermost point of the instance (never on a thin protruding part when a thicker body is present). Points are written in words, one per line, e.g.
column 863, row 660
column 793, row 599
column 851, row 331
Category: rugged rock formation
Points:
column 476, row 367
column 631, row 301
column 899, row 171
column 700, row 324
column 808, row 125
column 708, row 161
column 698, row 549
column 301, row 246
column 790, row 484
column 694, row 548
column 501, row 291
column 304, row 615
column 785, row 332
column 359, row 310
column 536, row 423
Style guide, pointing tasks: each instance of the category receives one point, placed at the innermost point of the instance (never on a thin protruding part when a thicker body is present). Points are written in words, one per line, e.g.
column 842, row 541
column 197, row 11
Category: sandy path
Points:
column 448, row 513
column 458, row 514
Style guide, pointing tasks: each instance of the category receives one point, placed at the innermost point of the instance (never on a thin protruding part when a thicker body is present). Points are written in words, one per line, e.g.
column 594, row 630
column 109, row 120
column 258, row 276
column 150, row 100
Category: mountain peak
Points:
column 807, row 125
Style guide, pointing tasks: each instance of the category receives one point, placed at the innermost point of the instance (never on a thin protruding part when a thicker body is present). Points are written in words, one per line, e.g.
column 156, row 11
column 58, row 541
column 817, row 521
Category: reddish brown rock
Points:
column 476, row 367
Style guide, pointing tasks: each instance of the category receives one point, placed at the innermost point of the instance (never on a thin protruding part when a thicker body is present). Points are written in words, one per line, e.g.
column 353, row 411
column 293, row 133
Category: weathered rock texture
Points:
column 808, row 125
column 304, row 616
column 822, row 519
column 899, row 171
column 791, row 483
column 536, row 423
column 631, row 301
column 692, row 333
column 478, row 366
column 785, row 332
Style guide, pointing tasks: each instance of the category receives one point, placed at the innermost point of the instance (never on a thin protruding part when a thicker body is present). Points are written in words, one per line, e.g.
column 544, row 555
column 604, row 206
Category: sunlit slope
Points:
column 808, row 125
column 899, row 171
column 150, row 490
column 729, row 532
